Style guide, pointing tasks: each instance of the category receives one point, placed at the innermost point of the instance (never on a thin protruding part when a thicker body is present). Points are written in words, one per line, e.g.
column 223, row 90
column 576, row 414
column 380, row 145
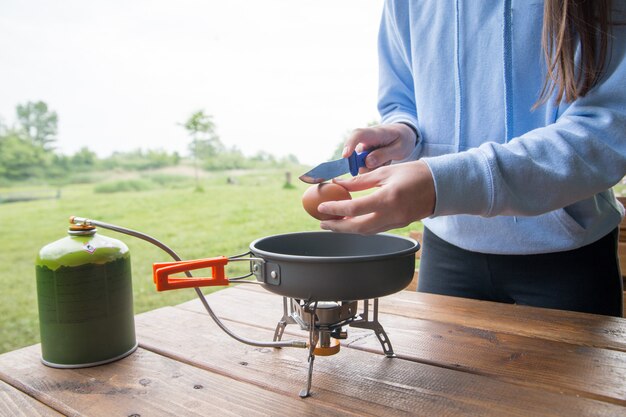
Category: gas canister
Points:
column 85, row 299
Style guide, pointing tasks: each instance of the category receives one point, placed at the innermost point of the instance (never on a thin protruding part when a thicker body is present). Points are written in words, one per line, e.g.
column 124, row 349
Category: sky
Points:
column 280, row 76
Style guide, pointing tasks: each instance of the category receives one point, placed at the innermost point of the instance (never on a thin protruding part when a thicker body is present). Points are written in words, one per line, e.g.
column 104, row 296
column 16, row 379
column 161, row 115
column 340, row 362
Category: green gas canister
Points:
column 85, row 298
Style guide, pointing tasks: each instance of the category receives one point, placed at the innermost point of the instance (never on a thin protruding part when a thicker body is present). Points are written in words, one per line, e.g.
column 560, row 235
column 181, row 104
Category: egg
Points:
column 317, row 194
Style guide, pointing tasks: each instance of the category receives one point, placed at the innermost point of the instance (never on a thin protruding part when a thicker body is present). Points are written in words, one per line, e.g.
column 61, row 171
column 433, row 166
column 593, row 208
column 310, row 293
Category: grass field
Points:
column 221, row 220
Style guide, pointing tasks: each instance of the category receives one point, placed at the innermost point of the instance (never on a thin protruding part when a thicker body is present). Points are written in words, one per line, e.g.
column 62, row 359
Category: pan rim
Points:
column 415, row 246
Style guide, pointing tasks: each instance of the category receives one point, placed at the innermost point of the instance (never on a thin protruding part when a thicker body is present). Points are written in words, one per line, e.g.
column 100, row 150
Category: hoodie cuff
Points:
column 411, row 122
column 463, row 183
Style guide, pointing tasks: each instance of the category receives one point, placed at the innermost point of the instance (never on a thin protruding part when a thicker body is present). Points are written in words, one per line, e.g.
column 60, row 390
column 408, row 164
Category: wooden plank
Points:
column 621, row 254
column 145, row 384
column 351, row 380
column 621, row 248
column 558, row 325
column 555, row 366
column 14, row 403
column 244, row 304
column 524, row 360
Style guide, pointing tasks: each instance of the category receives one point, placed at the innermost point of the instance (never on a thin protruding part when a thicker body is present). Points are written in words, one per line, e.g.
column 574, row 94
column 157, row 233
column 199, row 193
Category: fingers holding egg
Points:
column 320, row 193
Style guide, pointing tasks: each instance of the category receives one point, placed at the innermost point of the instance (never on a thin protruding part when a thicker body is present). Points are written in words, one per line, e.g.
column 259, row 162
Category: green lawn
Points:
column 221, row 220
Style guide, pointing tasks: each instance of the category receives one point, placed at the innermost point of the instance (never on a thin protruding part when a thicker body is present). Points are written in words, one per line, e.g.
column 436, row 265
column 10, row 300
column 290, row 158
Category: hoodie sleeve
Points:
column 579, row 155
column 396, row 97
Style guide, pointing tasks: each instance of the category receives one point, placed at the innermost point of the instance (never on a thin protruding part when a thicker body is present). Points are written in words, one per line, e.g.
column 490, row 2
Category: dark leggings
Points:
column 587, row 279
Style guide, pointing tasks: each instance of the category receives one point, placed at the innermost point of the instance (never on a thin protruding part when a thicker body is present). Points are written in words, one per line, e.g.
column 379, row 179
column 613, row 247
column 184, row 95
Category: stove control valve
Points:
column 339, row 334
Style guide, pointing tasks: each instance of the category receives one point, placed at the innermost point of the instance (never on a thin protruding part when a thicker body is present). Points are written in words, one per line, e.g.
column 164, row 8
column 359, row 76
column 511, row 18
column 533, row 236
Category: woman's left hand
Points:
column 406, row 193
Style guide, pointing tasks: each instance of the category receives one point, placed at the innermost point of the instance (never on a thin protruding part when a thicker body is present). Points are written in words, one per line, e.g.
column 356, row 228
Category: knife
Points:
column 331, row 169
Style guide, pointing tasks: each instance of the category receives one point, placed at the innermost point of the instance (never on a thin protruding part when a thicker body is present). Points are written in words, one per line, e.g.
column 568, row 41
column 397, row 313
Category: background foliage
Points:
column 27, row 151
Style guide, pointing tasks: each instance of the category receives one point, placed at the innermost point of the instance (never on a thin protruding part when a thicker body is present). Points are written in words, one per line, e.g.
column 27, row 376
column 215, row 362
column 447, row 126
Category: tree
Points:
column 38, row 123
column 290, row 159
column 205, row 142
column 263, row 156
column 19, row 159
column 84, row 159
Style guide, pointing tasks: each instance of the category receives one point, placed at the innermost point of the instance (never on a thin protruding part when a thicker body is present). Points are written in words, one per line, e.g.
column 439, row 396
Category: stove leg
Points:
column 381, row 335
column 384, row 342
column 374, row 324
column 306, row 391
column 280, row 329
column 284, row 321
column 313, row 338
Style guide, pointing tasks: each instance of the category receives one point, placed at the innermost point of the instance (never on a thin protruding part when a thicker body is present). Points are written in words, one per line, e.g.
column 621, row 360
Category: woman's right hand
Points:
column 385, row 143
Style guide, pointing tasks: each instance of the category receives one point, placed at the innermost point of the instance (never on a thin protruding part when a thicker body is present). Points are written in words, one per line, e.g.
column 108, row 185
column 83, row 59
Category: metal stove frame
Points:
column 324, row 321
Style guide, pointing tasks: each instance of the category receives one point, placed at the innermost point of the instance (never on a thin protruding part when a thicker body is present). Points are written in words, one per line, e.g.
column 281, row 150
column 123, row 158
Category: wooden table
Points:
column 455, row 357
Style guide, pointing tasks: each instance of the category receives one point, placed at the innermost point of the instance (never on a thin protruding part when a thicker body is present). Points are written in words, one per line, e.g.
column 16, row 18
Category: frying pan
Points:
column 327, row 266
column 314, row 266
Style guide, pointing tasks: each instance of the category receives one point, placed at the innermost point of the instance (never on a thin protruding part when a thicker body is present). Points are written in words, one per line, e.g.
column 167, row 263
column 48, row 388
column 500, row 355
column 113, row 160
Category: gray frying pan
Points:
column 330, row 266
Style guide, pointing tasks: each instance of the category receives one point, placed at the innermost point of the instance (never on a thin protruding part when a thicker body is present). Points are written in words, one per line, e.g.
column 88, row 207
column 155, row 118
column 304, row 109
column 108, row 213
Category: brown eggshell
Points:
column 317, row 194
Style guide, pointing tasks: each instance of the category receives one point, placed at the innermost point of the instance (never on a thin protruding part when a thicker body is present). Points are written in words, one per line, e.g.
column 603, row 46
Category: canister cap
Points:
column 80, row 228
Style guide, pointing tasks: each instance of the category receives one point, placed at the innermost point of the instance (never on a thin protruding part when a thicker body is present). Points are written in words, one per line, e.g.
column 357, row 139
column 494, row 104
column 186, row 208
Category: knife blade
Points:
column 331, row 169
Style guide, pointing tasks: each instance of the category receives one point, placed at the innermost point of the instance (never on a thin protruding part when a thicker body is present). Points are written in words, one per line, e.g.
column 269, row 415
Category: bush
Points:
column 140, row 160
column 124, row 186
column 169, row 180
column 226, row 160
column 21, row 160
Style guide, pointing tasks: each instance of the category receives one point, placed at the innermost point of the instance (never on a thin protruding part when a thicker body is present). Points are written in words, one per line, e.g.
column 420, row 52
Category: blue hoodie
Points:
column 508, row 179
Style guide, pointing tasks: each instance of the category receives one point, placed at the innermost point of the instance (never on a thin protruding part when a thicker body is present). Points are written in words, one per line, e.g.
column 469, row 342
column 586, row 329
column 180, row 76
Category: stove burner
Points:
column 325, row 320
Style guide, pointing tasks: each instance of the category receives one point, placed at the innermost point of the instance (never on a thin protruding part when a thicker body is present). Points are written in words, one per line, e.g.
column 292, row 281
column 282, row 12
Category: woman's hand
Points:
column 390, row 142
column 406, row 193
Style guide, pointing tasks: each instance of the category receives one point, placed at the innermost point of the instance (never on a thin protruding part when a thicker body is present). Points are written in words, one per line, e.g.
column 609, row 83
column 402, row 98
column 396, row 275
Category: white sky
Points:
column 284, row 76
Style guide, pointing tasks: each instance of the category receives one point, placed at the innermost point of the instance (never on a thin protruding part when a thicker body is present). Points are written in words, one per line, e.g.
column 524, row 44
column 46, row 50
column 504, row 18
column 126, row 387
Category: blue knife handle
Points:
column 356, row 161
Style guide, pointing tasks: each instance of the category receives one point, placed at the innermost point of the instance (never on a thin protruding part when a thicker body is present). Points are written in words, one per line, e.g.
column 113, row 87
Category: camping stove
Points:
column 325, row 321
column 304, row 268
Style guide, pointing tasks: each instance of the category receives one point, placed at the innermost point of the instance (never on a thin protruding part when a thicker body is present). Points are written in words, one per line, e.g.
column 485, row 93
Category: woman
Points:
column 513, row 117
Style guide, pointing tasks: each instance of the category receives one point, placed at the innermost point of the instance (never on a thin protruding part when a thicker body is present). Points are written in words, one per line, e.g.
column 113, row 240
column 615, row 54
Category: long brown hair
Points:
column 568, row 24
